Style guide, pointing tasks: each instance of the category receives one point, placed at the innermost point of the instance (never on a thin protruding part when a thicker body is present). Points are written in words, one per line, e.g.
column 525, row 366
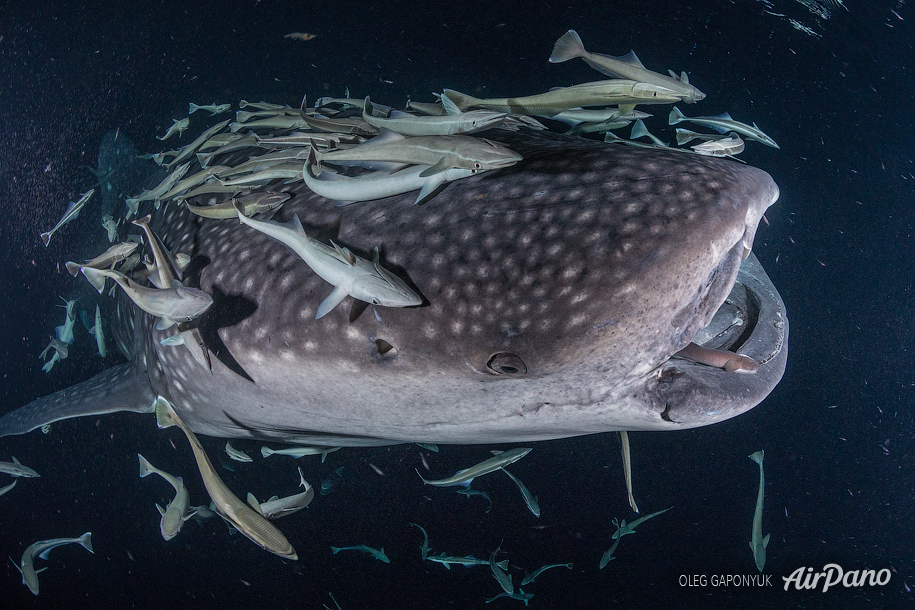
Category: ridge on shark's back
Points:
column 555, row 293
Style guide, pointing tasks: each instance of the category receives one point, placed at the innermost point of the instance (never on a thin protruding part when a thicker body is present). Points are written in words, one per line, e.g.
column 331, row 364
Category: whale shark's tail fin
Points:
column 120, row 388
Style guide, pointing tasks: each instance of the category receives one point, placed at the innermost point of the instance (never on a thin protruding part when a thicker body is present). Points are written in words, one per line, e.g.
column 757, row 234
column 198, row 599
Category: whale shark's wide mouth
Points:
column 752, row 322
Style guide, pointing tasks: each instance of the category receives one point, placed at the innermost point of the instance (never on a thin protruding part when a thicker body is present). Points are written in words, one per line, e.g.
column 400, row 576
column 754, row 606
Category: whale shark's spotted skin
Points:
column 555, row 293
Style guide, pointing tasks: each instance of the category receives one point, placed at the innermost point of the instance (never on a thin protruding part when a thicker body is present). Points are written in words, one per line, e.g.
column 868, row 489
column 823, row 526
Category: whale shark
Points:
column 556, row 294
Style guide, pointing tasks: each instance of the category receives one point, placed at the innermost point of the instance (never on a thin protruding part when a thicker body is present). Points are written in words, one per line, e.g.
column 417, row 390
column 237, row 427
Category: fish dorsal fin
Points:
column 684, row 78
column 724, row 116
column 385, row 136
column 626, row 108
column 449, row 106
column 273, row 498
column 766, row 540
column 297, row 225
column 376, row 256
column 672, row 73
column 631, row 58
column 15, row 461
column 176, row 283
column 348, row 257
column 252, row 501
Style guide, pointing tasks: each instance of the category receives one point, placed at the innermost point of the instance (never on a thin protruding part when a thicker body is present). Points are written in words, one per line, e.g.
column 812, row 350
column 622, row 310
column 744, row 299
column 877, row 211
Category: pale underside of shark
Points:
column 555, row 293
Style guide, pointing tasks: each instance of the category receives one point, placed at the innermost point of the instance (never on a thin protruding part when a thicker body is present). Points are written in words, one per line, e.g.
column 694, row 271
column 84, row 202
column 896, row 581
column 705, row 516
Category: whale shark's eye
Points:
column 508, row 364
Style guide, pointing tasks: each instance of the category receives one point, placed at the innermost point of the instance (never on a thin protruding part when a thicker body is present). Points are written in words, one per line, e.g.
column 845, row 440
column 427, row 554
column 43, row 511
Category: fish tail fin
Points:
column 461, row 100
column 335, row 549
column 146, row 468
column 165, row 414
column 758, row 457
column 569, row 46
column 96, row 277
column 73, row 268
column 86, row 541
column 192, row 107
column 267, row 451
column 46, row 238
column 675, row 116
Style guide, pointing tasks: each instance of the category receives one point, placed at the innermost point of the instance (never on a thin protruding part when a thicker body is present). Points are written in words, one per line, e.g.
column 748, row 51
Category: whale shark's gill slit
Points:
column 227, row 310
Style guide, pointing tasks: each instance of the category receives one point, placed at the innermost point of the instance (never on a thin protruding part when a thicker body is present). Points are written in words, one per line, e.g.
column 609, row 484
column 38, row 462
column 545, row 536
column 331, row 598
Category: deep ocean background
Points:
column 838, row 432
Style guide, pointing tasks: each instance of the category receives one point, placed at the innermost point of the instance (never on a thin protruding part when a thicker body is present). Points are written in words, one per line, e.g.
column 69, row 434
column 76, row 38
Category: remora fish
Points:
column 758, row 543
column 493, row 464
column 439, row 152
column 466, row 561
column 570, row 46
column 629, row 528
column 73, row 210
column 624, row 93
column 349, row 274
column 178, row 126
column 99, row 334
column 213, row 109
column 16, row 469
column 424, row 547
column 529, row 498
column 236, row 454
column 42, row 549
column 723, row 123
column 380, row 184
column 277, row 507
column 109, row 258
column 376, row 553
column 455, row 122
column 555, row 292
column 64, row 332
column 252, row 205
column 176, row 513
column 725, row 147
column 298, row 452
column 257, row 529
column 607, row 557
column 171, row 305
column 533, row 575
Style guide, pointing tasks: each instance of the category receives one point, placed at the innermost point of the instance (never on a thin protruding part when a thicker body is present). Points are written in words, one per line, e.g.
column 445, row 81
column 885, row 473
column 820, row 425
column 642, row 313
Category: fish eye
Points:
column 477, row 165
column 374, row 301
column 506, row 364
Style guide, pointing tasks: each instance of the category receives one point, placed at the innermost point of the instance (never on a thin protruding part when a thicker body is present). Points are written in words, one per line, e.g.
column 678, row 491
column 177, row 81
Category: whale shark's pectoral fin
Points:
column 120, row 388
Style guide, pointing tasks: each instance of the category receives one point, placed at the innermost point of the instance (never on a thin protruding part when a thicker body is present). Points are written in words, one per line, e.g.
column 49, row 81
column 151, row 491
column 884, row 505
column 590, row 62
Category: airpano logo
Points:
column 833, row 575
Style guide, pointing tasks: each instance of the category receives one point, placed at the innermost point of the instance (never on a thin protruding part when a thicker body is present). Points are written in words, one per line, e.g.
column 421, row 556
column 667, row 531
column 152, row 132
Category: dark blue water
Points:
column 838, row 431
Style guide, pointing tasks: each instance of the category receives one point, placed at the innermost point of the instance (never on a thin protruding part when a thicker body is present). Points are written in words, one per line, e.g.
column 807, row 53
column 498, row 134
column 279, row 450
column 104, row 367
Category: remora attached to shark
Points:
column 555, row 294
